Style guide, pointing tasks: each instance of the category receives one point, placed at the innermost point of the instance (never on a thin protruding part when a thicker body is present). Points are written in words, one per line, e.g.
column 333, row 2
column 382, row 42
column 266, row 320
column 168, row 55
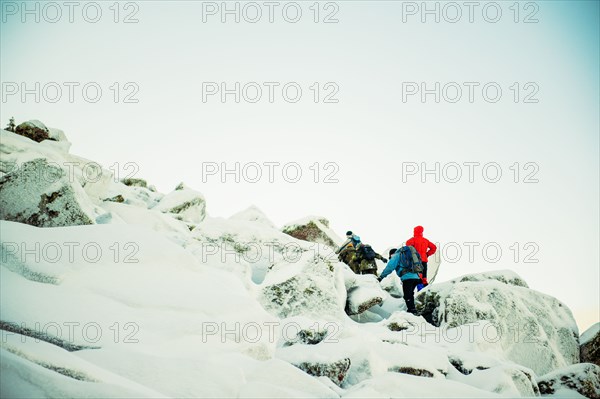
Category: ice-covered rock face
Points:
column 186, row 204
column 41, row 195
column 583, row 378
column 590, row 345
column 534, row 329
column 313, row 229
column 34, row 130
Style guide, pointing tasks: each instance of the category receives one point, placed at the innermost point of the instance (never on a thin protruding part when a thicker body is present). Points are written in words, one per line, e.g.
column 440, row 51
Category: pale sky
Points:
column 366, row 61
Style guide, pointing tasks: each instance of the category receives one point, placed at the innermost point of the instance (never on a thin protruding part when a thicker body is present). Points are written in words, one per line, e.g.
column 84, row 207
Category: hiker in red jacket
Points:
column 424, row 247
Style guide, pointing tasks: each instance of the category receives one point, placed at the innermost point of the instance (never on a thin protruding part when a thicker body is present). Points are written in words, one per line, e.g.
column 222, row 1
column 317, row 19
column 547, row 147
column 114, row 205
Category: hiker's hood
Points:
column 419, row 231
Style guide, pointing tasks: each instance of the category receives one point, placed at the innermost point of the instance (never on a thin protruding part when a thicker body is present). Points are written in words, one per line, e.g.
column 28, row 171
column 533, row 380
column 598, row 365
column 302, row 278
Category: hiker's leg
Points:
column 408, row 286
column 425, row 269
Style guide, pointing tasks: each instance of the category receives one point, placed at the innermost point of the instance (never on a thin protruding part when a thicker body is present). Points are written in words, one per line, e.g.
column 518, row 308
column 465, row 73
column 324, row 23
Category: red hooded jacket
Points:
column 424, row 247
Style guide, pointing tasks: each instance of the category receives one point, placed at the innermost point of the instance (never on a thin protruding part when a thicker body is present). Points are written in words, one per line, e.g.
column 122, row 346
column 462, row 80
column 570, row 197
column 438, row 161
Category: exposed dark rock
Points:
column 307, row 337
column 15, row 328
column 311, row 231
column 336, row 371
column 590, row 350
column 412, row 371
column 34, row 130
column 133, row 182
column 117, row 198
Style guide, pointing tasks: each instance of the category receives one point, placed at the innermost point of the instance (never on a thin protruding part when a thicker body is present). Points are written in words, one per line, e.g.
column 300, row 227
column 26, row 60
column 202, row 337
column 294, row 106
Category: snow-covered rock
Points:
column 185, row 204
column 253, row 214
column 504, row 276
column 16, row 151
column 535, row 330
column 154, row 220
column 134, row 194
column 58, row 135
column 33, row 130
column 339, row 358
column 590, row 345
column 393, row 285
column 505, row 378
column 134, row 182
column 583, row 378
column 307, row 287
column 41, row 195
column 302, row 330
column 365, row 294
column 314, row 229
column 242, row 246
column 335, row 371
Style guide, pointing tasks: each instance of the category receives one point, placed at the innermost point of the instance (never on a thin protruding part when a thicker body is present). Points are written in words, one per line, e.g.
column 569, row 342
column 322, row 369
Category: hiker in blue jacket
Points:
column 409, row 280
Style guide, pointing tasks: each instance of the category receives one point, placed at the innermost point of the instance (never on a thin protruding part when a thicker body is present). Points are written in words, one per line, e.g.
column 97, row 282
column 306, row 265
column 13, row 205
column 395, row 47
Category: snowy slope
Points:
column 158, row 299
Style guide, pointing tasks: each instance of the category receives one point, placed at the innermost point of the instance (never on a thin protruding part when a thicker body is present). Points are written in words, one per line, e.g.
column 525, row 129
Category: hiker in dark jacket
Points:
column 348, row 256
column 424, row 247
column 365, row 256
column 409, row 279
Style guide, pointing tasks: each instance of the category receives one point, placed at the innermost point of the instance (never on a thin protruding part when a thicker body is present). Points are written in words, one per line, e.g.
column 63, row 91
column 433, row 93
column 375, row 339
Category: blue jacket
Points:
column 394, row 265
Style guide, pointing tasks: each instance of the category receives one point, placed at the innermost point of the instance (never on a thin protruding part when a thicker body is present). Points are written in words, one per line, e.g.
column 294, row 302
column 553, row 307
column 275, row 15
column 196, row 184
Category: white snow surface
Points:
column 139, row 305
column 253, row 214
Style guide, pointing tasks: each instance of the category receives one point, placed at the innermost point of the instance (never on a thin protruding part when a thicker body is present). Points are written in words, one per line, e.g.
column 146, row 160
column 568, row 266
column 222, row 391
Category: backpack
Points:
column 410, row 261
column 355, row 240
column 366, row 252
